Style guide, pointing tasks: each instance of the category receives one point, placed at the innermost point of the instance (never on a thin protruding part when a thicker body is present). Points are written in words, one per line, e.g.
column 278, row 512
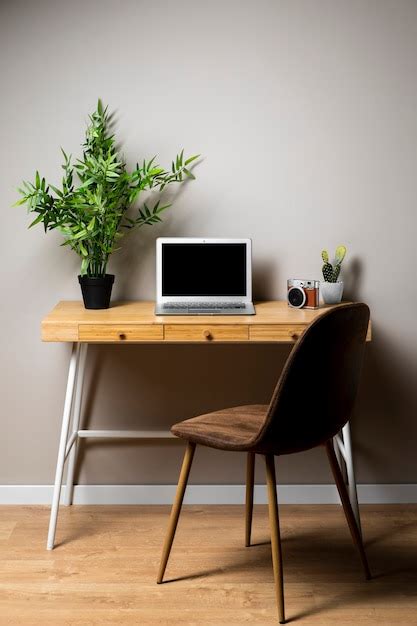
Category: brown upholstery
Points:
column 230, row 429
column 312, row 400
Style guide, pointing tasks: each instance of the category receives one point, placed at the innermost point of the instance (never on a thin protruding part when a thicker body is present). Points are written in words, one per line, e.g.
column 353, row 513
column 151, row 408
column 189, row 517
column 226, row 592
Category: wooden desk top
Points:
column 135, row 322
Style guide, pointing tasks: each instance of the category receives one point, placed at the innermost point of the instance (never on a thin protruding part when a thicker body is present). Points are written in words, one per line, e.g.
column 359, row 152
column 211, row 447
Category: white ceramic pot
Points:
column 331, row 292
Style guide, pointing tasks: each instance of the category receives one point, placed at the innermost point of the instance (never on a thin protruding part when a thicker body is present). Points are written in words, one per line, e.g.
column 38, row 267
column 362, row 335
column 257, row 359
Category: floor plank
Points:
column 104, row 567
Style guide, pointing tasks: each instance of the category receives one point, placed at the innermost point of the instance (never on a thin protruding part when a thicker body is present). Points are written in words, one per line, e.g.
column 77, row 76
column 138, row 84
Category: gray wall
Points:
column 305, row 113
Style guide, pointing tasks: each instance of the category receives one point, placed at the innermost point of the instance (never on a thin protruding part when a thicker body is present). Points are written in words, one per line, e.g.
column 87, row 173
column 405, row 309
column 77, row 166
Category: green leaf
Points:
column 56, row 190
column 162, row 208
column 20, row 202
column 37, row 180
column 90, row 226
column 189, row 174
column 66, row 157
column 81, row 234
column 150, row 163
column 83, row 249
column 36, row 220
column 191, row 159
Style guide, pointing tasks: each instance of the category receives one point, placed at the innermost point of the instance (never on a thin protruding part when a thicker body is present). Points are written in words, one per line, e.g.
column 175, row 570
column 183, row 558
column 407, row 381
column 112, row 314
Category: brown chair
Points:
column 312, row 401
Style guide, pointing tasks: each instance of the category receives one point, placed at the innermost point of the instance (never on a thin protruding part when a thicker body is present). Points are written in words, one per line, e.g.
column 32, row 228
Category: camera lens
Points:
column 296, row 297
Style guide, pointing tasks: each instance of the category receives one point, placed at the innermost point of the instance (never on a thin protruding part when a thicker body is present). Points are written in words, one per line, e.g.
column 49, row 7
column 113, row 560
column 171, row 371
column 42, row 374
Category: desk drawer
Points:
column 276, row 332
column 120, row 333
column 206, row 332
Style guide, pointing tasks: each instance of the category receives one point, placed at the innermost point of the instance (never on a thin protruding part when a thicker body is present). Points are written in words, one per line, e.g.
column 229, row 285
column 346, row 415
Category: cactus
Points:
column 331, row 272
column 340, row 254
column 327, row 267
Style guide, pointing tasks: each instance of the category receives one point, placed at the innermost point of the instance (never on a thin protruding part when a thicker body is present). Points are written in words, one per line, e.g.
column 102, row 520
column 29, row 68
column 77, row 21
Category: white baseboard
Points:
column 206, row 494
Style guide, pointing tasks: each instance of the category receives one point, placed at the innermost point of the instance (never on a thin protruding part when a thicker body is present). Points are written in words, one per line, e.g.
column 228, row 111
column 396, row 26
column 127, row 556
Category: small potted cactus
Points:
column 331, row 288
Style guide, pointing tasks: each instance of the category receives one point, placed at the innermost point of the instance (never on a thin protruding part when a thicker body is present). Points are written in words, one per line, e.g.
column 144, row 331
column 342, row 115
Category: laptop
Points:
column 203, row 276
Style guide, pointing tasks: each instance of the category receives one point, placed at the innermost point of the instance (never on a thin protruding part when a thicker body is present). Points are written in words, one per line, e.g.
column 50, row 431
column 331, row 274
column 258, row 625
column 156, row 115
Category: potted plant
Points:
column 331, row 288
column 92, row 213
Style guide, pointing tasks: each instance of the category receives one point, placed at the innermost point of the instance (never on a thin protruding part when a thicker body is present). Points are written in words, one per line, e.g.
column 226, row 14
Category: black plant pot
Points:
column 96, row 291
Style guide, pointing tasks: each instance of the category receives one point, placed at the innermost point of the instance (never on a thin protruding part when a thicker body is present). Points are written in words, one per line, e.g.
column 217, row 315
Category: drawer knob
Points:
column 294, row 336
column 122, row 336
column 207, row 334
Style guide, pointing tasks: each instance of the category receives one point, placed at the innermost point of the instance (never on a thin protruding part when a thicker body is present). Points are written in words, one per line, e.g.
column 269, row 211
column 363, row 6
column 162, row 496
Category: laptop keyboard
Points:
column 204, row 305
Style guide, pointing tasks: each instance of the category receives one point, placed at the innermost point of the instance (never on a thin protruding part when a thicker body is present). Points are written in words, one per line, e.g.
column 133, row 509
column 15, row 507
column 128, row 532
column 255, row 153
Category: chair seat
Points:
column 230, row 429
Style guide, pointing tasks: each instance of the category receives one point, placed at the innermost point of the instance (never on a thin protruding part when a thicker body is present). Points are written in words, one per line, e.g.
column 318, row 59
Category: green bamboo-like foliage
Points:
column 92, row 213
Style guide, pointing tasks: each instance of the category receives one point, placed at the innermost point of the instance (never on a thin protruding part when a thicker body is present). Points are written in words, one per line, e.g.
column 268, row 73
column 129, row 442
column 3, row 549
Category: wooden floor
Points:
column 104, row 567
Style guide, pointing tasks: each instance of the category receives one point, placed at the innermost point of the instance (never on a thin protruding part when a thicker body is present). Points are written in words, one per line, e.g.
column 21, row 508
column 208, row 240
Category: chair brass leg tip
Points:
column 159, row 581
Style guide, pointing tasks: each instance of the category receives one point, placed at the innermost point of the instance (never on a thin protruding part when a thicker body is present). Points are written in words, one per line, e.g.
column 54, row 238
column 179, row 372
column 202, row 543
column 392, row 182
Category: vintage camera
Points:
column 303, row 293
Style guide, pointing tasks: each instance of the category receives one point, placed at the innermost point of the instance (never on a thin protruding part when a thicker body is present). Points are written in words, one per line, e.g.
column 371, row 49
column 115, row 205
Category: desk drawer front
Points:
column 206, row 333
column 122, row 333
column 276, row 332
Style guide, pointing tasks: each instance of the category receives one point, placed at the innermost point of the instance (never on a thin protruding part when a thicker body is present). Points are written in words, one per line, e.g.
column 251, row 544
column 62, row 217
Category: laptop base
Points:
column 166, row 309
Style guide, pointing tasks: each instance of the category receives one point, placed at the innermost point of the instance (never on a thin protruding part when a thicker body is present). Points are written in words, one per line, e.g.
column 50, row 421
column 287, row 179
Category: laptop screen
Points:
column 204, row 269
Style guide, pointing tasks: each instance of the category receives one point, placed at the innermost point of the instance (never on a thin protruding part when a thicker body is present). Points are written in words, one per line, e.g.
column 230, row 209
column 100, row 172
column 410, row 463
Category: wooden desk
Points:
column 136, row 322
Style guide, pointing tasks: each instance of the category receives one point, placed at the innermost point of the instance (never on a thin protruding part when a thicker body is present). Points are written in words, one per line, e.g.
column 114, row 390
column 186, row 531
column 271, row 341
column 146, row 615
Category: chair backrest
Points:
column 316, row 391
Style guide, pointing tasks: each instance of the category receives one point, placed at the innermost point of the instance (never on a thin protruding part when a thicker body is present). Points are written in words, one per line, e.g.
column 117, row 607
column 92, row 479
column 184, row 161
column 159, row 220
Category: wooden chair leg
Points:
column 176, row 508
column 275, row 535
column 250, row 479
column 347, row 507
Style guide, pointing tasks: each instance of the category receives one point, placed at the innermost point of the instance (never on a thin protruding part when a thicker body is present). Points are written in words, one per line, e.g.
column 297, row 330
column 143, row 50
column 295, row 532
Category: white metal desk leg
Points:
column 72, row 458
column 72, row 373
column 353, row 494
